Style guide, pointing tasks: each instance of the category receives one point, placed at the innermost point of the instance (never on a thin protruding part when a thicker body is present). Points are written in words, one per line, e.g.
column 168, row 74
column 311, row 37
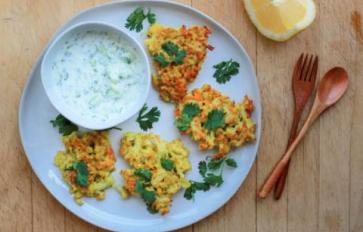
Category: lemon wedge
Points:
column 279, row 20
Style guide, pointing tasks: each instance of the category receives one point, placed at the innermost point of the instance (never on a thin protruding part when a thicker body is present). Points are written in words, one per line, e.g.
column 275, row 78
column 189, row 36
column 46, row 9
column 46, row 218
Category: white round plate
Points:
column 41, row 141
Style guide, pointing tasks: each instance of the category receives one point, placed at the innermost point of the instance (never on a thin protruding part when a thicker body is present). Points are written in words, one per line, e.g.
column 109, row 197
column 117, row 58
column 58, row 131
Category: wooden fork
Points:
column 303, row 82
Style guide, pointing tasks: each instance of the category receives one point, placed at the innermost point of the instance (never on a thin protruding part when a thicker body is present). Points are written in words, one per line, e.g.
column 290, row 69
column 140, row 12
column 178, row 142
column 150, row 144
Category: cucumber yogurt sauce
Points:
column 99, row 73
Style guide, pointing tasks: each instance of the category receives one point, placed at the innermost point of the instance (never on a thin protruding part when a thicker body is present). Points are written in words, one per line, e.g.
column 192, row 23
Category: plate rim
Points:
column 64, row 26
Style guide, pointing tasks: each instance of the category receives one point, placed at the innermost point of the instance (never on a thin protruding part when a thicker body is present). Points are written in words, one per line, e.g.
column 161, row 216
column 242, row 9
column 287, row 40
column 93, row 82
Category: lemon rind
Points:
column 280, row 37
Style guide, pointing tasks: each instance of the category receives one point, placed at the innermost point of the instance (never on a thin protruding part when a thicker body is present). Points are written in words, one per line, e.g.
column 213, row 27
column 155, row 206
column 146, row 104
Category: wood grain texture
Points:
column 336, row 49
column 15, row 174
column 325, row 184
column 356, row 158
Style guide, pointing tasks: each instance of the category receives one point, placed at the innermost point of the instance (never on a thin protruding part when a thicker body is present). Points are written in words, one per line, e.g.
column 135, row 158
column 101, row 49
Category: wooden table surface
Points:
column 325, row 185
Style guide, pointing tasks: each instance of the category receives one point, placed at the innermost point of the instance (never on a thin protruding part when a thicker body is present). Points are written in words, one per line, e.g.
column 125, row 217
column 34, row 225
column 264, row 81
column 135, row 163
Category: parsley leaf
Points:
column 144, row 174
column 207, row 171
column 170, row 48
column 231, row 162
column 200, row 186
column 189, row 192
column 135, row 20
column 139, row 188
column 167, row 164
column 213, row 180
column 215, row 164
column 151, row 209
column 147, row 196
column 179, row 57
column 202, row 166
column 176, row 54
column 137, row 17
column 65, row 127
column 82, row 173
column 146, row 120
column 161, row 60
column 190, row 110
column 182, row 124
column 151, row 18
column 225, row 70
column 215, row 119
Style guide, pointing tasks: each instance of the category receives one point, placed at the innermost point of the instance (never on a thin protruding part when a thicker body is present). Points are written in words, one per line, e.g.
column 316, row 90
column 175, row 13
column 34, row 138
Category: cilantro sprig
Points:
column 137, row 17
column 175, row 53
column 167, row 164
column 143, row 174
column 160, row 58
column 225, row 70
column 148, row 196
column 190, row 110
column 215, row 119
column 146, row 119
column 194, row 187
column 211, row 172
column 141, row 187
column 82, row 172
column 65, row 127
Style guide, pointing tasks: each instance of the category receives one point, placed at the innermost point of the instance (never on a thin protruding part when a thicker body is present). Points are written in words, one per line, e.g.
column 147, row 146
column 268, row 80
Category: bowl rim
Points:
column 76, row 119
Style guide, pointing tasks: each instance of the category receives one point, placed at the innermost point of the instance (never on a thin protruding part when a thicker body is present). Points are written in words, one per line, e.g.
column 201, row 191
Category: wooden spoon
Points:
column 331, row 88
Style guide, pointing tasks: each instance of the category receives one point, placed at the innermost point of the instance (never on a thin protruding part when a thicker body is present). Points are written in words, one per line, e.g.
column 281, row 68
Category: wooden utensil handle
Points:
column 272, row 179
column 281, row 182
column 266, row 188
column 279, row 187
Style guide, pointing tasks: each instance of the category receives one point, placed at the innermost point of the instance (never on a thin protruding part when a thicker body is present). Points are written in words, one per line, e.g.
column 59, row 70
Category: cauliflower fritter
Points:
column 86, row 164
column 214, row 120
column 158, row 169
column 188, row 45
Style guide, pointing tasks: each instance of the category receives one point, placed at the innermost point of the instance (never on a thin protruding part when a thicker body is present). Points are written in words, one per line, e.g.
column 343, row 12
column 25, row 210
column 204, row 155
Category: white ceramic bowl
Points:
column 72, row 113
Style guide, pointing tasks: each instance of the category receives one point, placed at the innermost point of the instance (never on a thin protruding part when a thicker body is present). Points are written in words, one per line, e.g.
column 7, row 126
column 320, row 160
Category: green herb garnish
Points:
column 161, row 60
column 179, row 57
column 151, row 209
column 176, row 54
column 211, row 173
column 225, row 70
column 215, row 119
column 167, row 164
column 194, row 187
column 65, row 127
column 213, row 180
column 170, row 48
column 202, row 166
column 144, row 174
column 144, row 178
column 189, row 112
column 151, row 17
column 146, row 120
column 137, row 17
column 215, row 164
column 146, row 195
column 82, row 173
column 231, row 162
